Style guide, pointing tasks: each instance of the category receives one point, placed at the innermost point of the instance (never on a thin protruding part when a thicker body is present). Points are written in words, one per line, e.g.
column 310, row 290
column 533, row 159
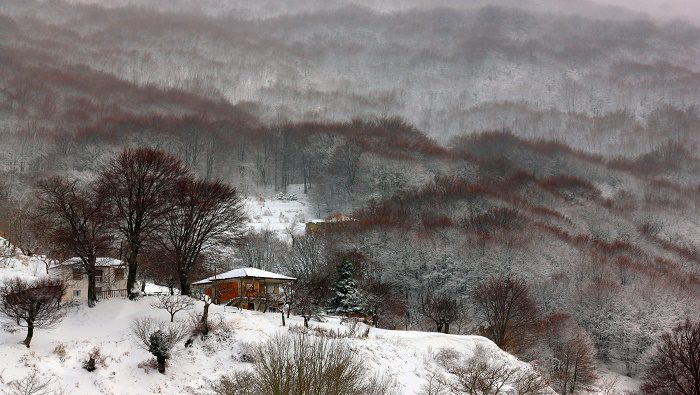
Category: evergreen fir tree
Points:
column 346, row 298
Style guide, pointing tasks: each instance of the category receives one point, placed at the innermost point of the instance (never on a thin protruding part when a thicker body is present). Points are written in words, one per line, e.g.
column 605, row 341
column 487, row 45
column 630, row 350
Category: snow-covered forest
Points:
column 487, row 188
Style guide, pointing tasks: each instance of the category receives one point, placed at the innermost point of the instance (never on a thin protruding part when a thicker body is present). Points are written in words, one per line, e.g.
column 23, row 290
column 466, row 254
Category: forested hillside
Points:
column 463, row 144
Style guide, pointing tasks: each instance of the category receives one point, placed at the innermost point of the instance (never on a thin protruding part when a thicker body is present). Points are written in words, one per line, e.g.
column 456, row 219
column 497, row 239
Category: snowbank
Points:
column 403, row 355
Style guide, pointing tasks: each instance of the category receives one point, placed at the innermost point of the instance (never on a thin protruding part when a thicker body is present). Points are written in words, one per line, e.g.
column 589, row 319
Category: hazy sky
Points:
column 667, row 9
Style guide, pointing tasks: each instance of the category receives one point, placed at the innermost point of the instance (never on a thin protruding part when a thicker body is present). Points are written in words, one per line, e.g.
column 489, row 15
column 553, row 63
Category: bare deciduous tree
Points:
column 674, row 366
column 33, row 304
column 307, row 262
column 34, row 383
column 441, row 309
column 173, row 304
column 20, row 229
column 73, row 219
column 205, row 214
column 158, row 338
column 511, row 316
column 138, row 186
column 572, row 365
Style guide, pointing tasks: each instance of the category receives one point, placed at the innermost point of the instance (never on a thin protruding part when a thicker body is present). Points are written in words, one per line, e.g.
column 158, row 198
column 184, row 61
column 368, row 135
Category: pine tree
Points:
column 346, row 298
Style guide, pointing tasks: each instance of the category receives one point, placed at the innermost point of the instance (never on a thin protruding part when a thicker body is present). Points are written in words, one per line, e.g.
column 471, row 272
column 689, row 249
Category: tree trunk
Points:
column 161, row 364
column 439, row 326
column 92, row 295
column 133, row 266
column 184, row 285
column 30, row 333
column 205, row 320
column 447, row 326
column 283, row 323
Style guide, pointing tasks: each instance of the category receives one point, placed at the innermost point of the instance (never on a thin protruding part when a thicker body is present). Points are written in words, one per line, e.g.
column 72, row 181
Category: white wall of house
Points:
column 77, row 281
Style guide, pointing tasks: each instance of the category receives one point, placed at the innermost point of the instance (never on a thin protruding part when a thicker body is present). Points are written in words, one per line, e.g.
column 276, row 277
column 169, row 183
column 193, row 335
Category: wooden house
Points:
column 245, row 287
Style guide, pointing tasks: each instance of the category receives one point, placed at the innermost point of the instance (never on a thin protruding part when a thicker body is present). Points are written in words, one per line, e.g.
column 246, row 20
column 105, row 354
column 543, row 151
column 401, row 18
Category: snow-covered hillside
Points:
column 406, row 356
column 280, row 213
column 16, row 265
column 58, row 353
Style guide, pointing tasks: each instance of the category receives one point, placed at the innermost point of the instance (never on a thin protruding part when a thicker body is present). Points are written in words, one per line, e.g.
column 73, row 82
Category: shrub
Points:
column 34, row 383
column 446, row 357
column 237, row 383
column 60, row 352
column 158, row 338
column 477, row 375
column 247, row 352
column 94, row 359
column 300, row 363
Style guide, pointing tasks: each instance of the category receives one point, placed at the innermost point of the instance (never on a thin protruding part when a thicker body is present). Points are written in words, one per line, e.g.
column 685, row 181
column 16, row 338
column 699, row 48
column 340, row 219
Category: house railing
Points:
column 114, row 293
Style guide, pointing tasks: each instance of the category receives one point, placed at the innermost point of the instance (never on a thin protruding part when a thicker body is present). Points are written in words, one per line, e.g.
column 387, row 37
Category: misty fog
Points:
column 441, row 148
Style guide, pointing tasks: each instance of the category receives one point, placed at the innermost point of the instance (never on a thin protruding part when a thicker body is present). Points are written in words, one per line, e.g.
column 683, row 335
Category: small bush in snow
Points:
column 299, row 363
column 61, row 352
column 158, row 338
column 447, row 357
column 9, row 327
column 217, row 326
column 246, row 352
column 150, row 364
column 34, row 383
column 434, row 384
column 94, row 359
column 238, row 383
column 356, row 328
column 478, row 375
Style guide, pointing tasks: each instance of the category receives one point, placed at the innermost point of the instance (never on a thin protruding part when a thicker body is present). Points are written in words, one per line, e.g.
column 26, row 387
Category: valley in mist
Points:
column 447, row 147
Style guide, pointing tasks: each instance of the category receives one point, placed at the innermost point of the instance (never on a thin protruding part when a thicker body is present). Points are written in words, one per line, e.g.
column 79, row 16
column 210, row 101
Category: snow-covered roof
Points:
column 334, row 218
column 245, row 272
column 101, row 262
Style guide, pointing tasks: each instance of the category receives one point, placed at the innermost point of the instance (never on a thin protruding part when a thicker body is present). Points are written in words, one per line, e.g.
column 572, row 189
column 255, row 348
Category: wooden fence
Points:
column 114, row 293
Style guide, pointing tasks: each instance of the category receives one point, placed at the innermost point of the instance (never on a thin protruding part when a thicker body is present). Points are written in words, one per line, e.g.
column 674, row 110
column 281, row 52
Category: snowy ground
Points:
column 406, row 356
column 403, row 355
column 279, row 213
column 13, row 265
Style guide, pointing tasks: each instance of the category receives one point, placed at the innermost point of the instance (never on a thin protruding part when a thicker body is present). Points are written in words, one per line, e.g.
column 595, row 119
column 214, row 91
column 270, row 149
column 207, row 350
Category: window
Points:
column 77, row 274
column 118, row 274
column 76, row 294
column 98, row 275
